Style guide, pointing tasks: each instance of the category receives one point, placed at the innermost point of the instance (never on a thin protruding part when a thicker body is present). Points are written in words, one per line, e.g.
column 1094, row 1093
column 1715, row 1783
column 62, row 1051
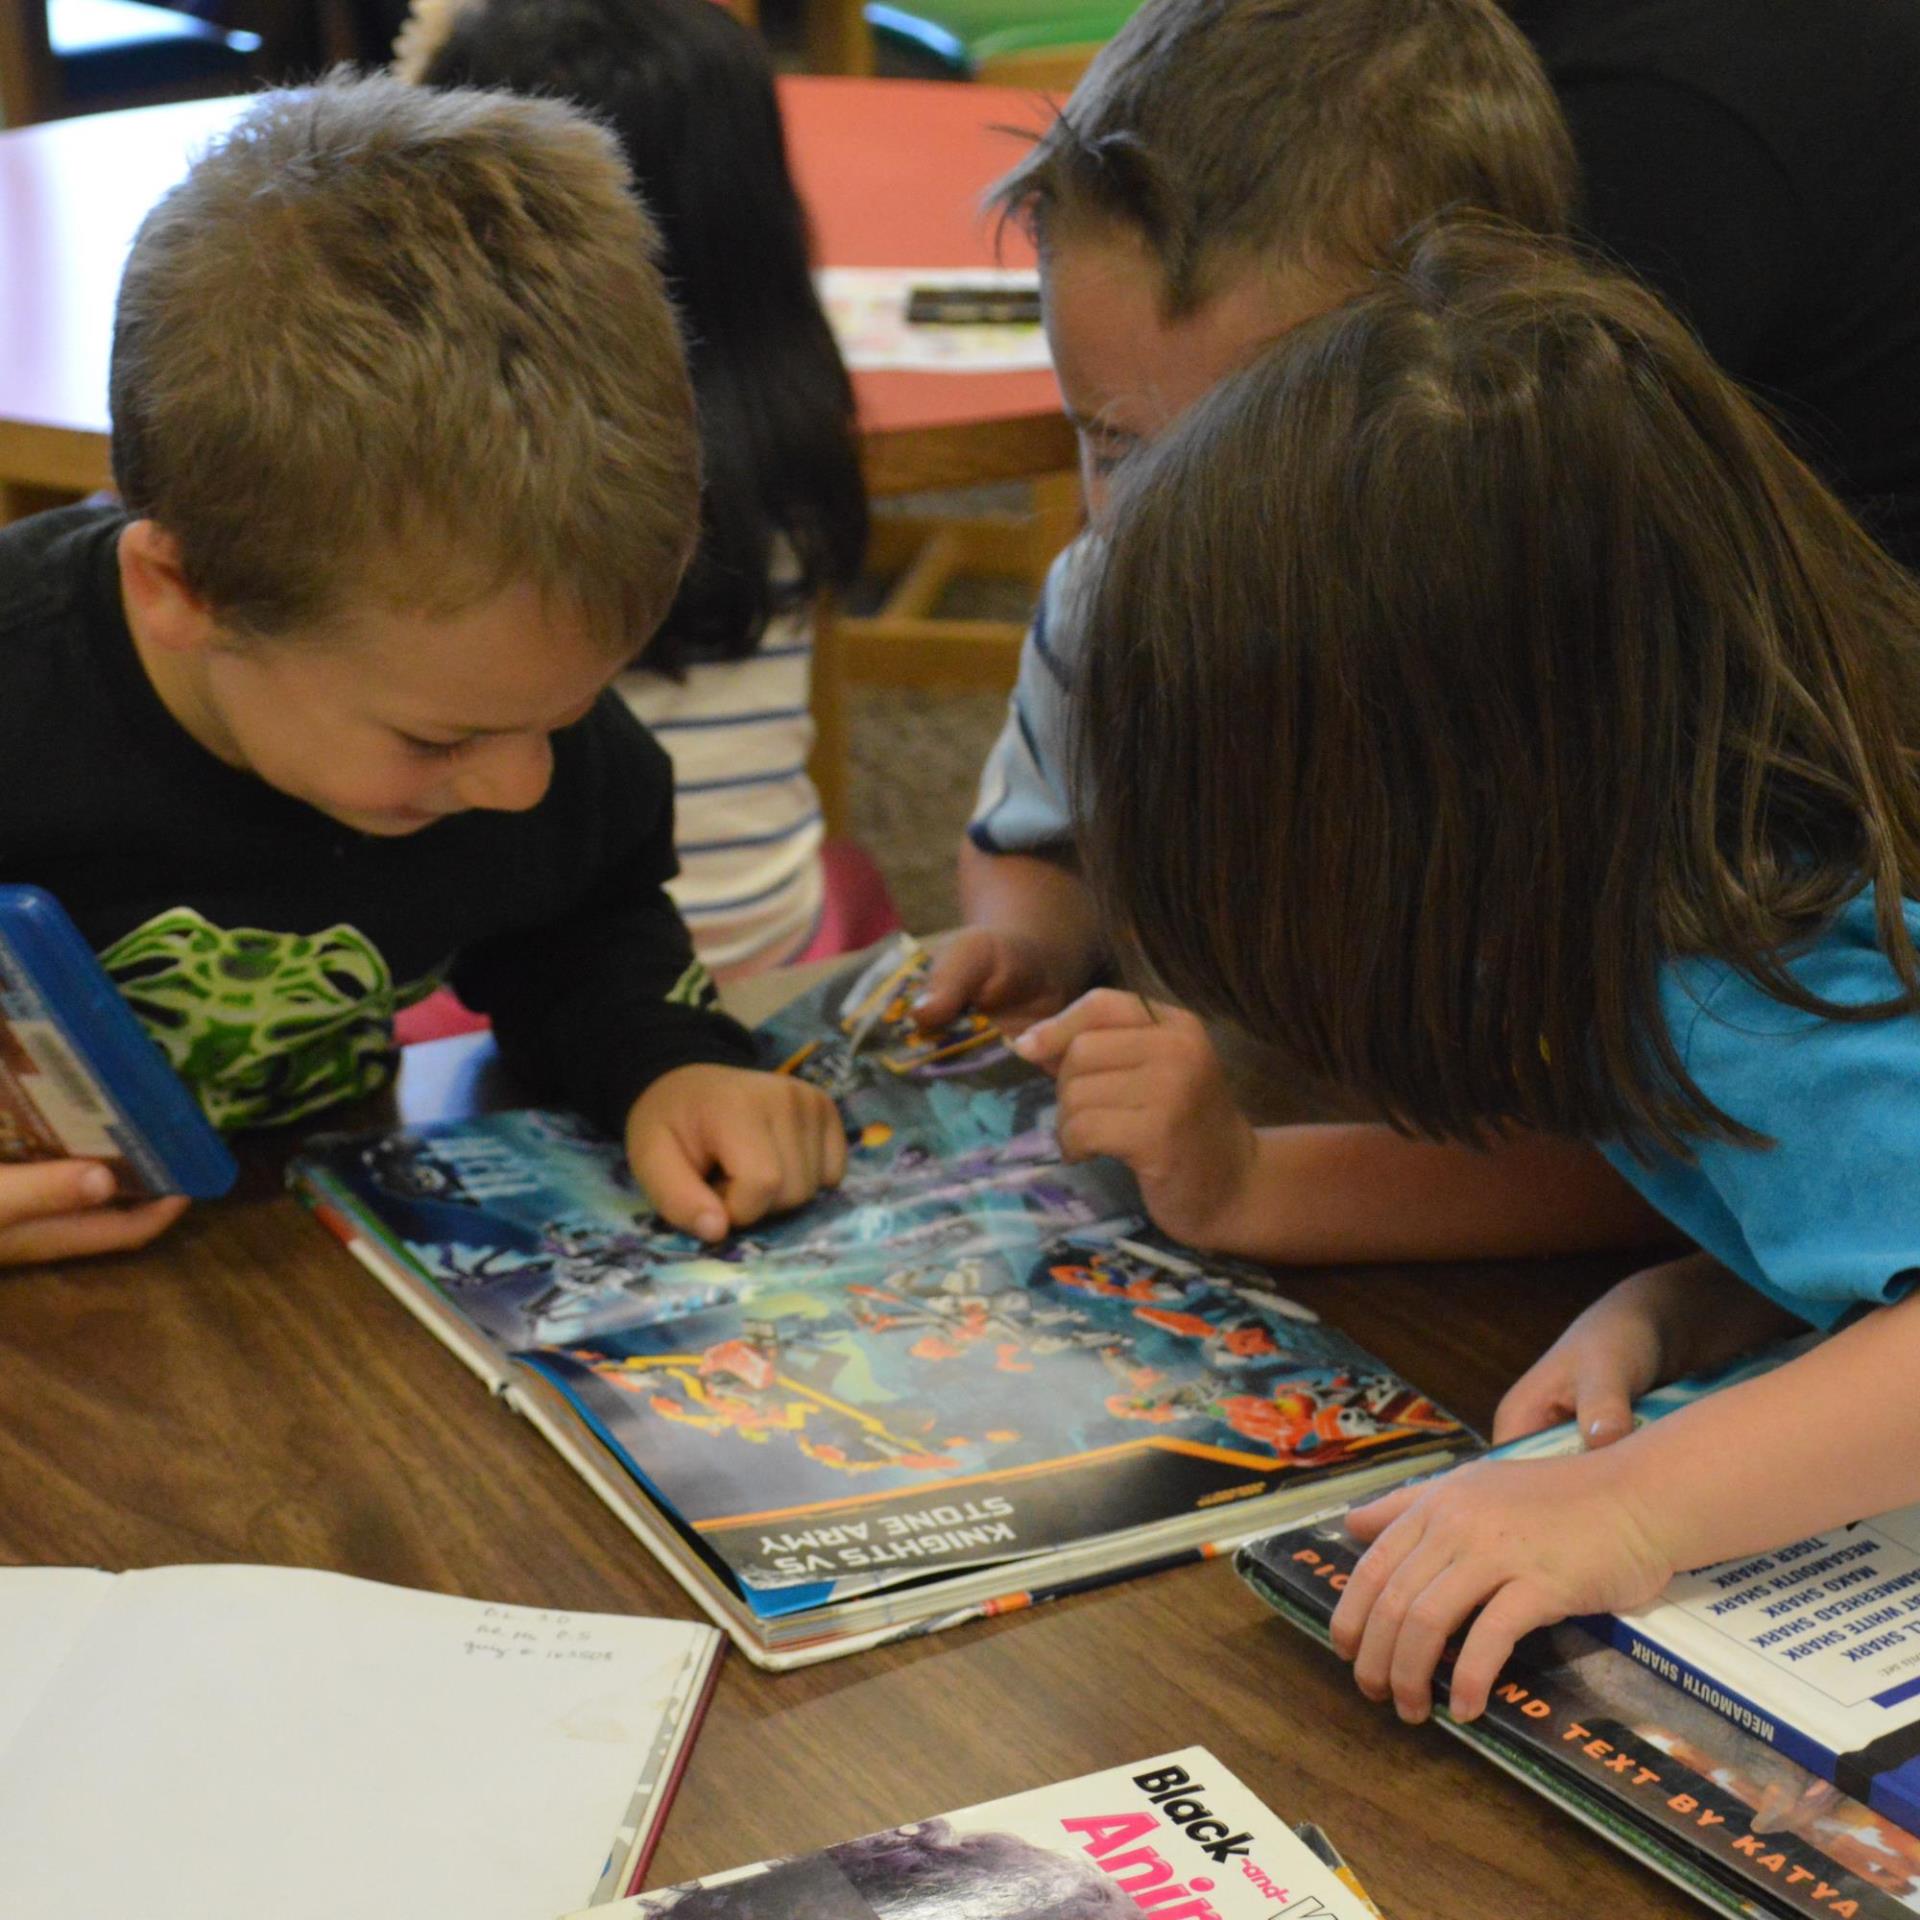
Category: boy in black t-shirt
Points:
column 405, row 438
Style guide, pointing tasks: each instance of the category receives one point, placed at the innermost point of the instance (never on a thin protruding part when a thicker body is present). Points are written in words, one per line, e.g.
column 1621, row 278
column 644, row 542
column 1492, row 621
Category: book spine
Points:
column 1020, row 1600
column 1896, row 1793
column 1728, row 1702
column 659, row 1782
column 1310, row 1610
column 1582, row 1729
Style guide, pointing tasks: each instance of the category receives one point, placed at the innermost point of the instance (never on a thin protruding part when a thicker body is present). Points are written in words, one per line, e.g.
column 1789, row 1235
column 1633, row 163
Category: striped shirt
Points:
column 747, row 823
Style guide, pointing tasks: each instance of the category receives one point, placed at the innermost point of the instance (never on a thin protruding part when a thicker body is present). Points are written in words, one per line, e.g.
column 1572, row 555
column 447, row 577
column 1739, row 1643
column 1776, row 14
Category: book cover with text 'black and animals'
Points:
column 1177, row 1837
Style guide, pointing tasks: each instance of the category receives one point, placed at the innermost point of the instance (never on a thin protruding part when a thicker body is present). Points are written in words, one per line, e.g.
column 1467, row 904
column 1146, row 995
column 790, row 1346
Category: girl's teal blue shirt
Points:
column 1828, row 1217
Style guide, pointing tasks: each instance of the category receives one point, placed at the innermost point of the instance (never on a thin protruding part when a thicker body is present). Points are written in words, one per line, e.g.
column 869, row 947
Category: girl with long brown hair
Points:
column 1483, row 707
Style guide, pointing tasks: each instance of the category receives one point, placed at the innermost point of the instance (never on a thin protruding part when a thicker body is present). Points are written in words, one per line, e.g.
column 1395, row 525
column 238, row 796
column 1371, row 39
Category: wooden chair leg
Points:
column 979, row 656
column 838, row 38
column 1058, row 513
column 907, row 644
column 917, row 592
column 1052, row 70
column 831, row 732
column 18, row 500
column 1001, row 545
column 29, row 79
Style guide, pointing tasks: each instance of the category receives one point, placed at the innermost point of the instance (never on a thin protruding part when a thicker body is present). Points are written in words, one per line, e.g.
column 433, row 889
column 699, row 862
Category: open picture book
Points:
column 226, row 1742
column 969, row 1378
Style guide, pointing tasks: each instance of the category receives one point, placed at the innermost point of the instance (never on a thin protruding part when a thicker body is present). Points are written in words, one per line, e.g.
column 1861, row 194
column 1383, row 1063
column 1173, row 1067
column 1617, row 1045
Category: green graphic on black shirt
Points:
column 264, row 1027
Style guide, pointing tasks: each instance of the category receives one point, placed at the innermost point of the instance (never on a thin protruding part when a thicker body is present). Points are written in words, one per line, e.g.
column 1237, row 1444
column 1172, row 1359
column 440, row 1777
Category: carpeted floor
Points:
column 915, row 763
column 916, row 757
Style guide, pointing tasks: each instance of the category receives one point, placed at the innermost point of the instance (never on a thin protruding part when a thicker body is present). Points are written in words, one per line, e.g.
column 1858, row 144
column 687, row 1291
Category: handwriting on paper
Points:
column 503, row 1635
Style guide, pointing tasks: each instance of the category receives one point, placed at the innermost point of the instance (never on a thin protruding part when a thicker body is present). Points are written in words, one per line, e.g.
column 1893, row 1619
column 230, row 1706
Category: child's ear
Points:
column 160, row 603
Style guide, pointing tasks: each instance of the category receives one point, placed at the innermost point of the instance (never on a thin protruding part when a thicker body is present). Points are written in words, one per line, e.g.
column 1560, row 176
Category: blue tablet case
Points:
column 78, row 1075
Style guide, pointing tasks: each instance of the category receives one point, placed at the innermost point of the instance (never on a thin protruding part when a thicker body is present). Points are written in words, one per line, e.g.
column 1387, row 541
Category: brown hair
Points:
column 1298, row 134
column 411, row 346
column 1469, row 657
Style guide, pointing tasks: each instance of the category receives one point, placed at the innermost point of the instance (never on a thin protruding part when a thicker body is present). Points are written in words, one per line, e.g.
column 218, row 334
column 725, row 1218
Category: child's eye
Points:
column 1105, row 455
column 431, row 749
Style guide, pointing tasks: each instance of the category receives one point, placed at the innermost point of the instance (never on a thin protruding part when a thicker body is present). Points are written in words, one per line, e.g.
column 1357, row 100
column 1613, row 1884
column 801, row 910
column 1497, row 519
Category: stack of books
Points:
column 1754, row 1735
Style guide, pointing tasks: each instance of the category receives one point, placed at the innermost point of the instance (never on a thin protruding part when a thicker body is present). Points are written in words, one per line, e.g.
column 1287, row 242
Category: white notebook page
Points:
column 220, row 1742
column 43, row 1610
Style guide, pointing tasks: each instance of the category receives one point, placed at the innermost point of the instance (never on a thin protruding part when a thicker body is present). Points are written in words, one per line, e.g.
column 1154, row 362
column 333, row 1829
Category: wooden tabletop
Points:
column 244, row 1392
column 891, row 170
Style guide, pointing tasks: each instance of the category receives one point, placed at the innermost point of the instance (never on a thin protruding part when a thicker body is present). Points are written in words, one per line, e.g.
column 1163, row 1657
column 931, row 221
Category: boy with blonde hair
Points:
column 405, row 439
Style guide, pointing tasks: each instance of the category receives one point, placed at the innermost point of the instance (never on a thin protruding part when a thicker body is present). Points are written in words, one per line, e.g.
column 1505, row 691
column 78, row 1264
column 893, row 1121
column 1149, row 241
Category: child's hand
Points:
column 1011, row 976
column 56, row 1210
column 1591, row 1375
column 1142, row 1083
column 718, row 1147
column 1525, row 1542
column 1657, row 1324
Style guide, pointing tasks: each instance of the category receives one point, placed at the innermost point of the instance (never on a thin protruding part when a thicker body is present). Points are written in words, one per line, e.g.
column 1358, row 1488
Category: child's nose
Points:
column 508, row 775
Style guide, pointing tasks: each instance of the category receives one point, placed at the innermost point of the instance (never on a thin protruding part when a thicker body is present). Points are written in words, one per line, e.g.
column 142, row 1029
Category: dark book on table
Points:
column 969, row 1378
column 1706, row 1787
column 1813, row 1647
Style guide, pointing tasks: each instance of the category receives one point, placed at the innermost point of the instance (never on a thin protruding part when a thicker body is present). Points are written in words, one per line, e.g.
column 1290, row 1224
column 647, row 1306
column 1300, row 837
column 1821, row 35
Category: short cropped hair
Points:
column 1298, row 134
column 1466, row 659
column 407, row 346
column 689, row 89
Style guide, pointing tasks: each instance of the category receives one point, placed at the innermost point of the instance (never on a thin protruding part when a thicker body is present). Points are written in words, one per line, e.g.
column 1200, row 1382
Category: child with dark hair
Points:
column 724, row 684
column 1483, row 707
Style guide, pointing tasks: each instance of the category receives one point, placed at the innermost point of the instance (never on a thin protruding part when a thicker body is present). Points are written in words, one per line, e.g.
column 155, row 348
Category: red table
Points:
column 892, row 172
